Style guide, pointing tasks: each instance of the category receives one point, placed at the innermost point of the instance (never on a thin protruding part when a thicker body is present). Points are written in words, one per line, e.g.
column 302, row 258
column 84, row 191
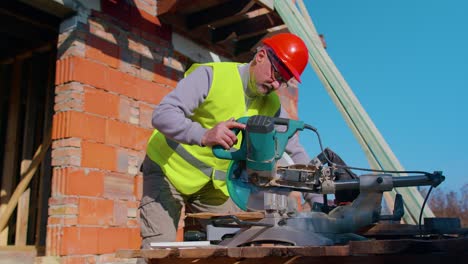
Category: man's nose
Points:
column 276, row 85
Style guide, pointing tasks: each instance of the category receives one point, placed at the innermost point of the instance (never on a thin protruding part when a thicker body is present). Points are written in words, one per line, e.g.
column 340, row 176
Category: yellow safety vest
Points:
column 190, row 167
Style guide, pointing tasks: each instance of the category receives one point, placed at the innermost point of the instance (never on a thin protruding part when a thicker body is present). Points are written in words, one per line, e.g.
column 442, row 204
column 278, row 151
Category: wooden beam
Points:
column 22, row 212
column 10, row 160
column 254, row 26
column 165, row 7
column 267, row 3
column 28, row 138
column 219, row 12
column 240, row 215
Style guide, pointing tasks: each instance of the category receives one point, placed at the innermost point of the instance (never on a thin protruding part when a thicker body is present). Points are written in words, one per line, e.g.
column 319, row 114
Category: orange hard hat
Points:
column 291, row 51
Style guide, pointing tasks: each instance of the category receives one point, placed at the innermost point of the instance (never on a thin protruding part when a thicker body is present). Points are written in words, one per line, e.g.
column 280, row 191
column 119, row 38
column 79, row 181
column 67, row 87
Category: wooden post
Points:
column 10, row 168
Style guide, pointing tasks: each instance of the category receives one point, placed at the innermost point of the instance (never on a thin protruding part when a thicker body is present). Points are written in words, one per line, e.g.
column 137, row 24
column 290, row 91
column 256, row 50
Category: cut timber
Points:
column 370, row 251
column 240, row 215
column 181, row 244
column 17, row 254
column 23, row 210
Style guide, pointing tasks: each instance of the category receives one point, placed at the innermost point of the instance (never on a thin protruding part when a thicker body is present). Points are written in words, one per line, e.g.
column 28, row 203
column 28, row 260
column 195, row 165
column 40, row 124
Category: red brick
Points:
column 101, row 103
column 68, row 105
column 63, row 200
column 79, row 260
column 95, row 155
column 53, row 240
column 66, row 156
column 69, row 97
column 112, row 259
column 93, row 211
column 138, row 189
column 135, row 238
column 69, row 142
column 126, row 135
column 102, row 50
column 133, row 222
column 112, row 239
column 67, row 220
column 70, row 88
column 146, row 113
column 118, row 186
column 124, row 109
column 79, row 240
column 83, row 182
column 63, row 210
column 76, row 124
column 120, row 213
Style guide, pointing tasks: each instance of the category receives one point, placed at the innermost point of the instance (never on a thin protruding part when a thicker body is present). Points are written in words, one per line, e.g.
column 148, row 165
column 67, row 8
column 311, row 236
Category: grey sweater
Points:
column 172, row 116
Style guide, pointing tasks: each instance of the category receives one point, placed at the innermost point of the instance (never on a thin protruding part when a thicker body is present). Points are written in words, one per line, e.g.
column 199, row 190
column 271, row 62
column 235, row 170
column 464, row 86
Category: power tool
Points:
column 255, row 172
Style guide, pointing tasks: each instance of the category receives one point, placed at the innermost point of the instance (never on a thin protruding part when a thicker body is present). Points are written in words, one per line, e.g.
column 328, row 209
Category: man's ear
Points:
column 260, row 56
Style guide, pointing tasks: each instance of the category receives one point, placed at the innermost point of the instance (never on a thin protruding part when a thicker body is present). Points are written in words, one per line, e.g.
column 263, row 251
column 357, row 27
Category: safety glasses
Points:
column 280, row 73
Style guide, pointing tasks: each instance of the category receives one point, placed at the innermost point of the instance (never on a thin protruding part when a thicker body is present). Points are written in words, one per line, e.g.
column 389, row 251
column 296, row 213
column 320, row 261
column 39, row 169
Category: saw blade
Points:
column 238, row 186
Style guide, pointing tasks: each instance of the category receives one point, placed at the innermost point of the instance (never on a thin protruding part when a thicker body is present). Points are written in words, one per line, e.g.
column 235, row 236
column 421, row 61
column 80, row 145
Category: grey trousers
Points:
column 161, row 204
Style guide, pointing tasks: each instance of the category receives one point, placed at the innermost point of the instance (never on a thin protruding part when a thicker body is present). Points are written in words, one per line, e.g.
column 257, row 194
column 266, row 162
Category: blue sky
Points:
column 407, row 63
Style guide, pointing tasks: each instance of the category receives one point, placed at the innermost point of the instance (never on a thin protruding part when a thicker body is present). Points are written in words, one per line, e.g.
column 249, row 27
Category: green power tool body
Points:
column 257, row 158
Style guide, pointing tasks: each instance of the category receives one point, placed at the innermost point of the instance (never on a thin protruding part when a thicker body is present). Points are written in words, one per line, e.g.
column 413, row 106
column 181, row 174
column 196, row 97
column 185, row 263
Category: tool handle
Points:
column 240, row 154
column 281, row 121
column 282, row 137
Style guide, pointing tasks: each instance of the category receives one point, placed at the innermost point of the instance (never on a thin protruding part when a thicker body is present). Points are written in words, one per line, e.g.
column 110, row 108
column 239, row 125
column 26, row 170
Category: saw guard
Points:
column 237, row 184
column 242, row 192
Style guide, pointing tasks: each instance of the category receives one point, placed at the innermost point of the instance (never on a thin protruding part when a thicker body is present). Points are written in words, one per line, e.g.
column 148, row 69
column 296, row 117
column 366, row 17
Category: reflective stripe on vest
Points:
column 207, row 170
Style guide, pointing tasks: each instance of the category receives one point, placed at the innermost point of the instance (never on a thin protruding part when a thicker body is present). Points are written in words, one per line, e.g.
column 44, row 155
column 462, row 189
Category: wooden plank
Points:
column 29, row 124
column 22, row 212
column 10, row 168
column 17, row 254
column 372, row 251
column 235, row 252
column 240, row 215
column 409, row 246
column 426, row 259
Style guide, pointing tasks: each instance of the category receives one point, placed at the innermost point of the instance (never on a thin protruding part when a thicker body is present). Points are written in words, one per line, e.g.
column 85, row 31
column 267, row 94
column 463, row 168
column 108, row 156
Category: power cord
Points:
column 422, row 210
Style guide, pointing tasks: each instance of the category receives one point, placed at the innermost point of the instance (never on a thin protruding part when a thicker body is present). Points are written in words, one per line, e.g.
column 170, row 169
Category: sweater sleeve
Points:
column 172, row 116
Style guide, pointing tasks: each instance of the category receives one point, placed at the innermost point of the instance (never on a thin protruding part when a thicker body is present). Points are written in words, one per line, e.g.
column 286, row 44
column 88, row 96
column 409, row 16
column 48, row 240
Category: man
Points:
column 198, row 114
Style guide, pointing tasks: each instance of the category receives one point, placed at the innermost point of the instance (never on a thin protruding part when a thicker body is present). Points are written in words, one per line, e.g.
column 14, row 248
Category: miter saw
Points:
column 255, row 174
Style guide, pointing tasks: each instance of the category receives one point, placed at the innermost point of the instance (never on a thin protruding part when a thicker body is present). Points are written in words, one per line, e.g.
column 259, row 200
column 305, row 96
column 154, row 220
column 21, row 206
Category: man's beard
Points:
column 265, row 89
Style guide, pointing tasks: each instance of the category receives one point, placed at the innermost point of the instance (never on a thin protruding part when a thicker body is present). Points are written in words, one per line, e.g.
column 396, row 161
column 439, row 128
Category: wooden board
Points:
column 371, row 251
column 240, row 215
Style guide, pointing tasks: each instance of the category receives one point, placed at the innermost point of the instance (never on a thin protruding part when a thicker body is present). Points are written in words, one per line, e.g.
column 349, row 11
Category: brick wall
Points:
column 112, row 69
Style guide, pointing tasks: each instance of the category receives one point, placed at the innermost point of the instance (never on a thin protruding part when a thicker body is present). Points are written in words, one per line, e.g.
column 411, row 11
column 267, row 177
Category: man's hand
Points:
column 222, row 135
